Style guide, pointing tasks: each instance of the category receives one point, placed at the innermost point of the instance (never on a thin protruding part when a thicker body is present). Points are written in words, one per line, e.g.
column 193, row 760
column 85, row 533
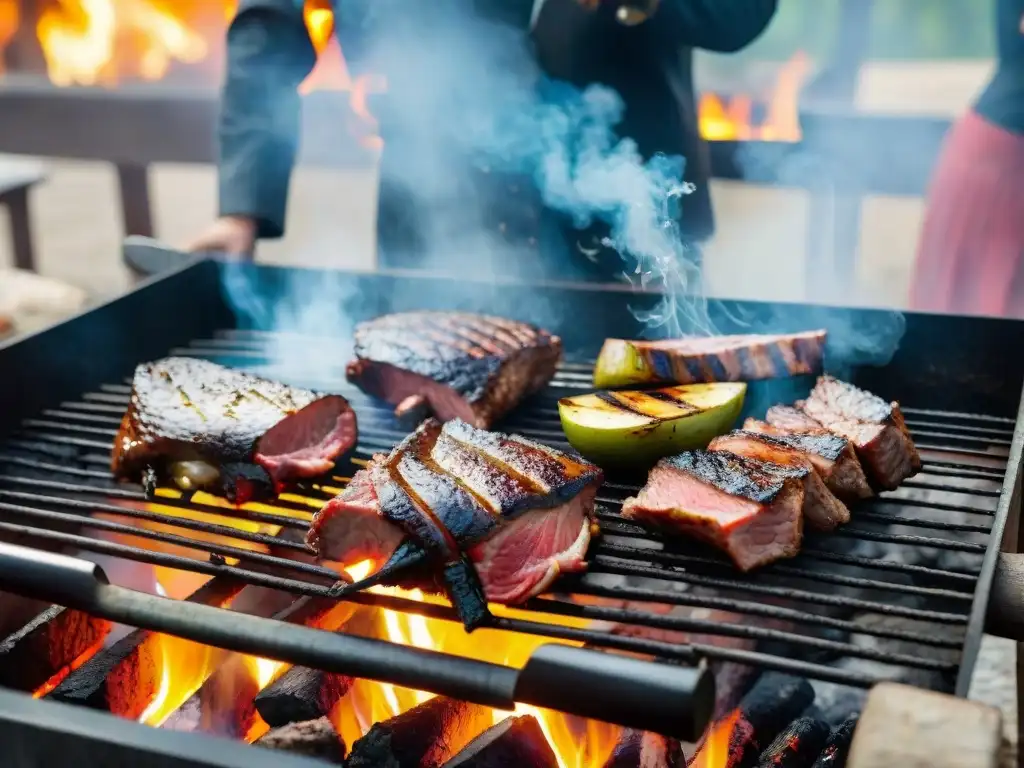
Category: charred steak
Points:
column 750, row 509
column 875, row 427
column 831, row 455
column 206, row 426
column 711, row 359
column 521, row 511
column 470, row 367
column 822, row 510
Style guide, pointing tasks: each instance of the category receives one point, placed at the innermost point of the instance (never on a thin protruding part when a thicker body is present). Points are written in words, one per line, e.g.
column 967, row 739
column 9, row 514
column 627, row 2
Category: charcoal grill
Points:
column 934, row 543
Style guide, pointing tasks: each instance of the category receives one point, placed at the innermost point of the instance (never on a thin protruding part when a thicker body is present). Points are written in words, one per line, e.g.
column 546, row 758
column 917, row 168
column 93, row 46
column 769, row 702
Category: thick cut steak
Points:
column 204, row 425
column 823, row 511
column 750, row 509
column 471, row 367
column 713, row 358
column 522, row 512
column 875, row 427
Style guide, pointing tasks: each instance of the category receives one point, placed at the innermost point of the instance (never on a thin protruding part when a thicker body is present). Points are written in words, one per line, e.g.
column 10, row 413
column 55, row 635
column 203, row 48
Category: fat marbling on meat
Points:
column 460, row 365
column 520, row 511
column 203, row 425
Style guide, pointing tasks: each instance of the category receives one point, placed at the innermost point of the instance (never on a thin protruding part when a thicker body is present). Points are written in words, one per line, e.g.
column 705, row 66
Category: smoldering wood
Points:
column 641, row 749
column 426, row 735
column 123, row 678
column 517, row 741
column 301, row 694
column 47, row 645
column 797, row 746
column 914, row 728
column 225, row 703
column 837, row 748
column 312, row 738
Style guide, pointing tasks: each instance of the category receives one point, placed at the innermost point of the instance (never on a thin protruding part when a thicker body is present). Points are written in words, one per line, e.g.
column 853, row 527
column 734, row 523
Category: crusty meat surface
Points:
column 822, row 510
column 791, row 418
column 471, row 367
column 185, row 410
column 750, row 509
column 832, row 456
column 876, row 429
column 722, row 358
column 521, row 511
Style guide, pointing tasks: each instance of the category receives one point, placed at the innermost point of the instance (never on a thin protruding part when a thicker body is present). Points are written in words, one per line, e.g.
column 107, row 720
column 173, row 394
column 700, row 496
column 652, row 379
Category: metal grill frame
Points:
column 112, row 339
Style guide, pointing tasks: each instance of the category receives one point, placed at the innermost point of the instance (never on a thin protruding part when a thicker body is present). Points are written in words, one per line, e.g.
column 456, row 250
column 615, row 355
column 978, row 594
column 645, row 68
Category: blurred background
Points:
column 107, row 110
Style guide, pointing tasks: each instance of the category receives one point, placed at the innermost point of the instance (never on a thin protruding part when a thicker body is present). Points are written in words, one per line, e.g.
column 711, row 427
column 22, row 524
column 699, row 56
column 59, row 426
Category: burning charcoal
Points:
column 424, row 737
column 639, row 749
column 770, row 705
column 797, row 746
column 301, row 694
column 838, row 746
column 515, row 741
column 47, row 645
column 313, row 738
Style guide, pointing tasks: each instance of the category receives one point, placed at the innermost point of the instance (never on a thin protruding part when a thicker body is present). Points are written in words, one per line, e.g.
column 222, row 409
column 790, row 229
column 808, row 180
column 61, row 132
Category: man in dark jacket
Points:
column 642, row 49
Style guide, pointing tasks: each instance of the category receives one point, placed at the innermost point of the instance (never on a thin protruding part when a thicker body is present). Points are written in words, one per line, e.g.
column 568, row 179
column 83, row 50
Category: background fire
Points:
column 106, row 42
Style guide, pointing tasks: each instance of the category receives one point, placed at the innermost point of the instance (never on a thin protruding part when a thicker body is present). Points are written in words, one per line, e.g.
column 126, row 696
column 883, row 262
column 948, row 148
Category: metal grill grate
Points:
column 894, row 588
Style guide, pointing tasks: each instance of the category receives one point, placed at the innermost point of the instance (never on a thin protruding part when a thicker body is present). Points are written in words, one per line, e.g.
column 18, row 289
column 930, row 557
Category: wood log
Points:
column 797, row 746
column 424, row 737
column 914, row 728
column 44, row 650
column 640, row 749
column 515, row 741
column 301, row 694
column 313, row 738
column 837, row 748
column 123, row 678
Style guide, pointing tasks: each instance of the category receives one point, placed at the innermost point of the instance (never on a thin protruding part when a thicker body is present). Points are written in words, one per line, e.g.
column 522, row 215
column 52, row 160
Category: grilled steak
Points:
column 831, row 455
column 522, row 512
column 821, row 508
column 875, row 427
column 206, row 426
column 471, row 367
column 714, row 358
column 792, row 419
column 750, row 509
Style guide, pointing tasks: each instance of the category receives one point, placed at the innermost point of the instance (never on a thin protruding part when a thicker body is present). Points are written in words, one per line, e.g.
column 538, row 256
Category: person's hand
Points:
column 233, row 235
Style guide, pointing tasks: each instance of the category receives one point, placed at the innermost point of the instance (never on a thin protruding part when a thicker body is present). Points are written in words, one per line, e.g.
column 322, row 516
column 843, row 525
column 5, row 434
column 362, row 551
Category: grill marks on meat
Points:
column 831, row 455
column 748, row 494
column 750, row 509
column 876, row 429
column 520, row 511
column 822, row 509
column 203, row 423
column 723, row 358
column 471, row 367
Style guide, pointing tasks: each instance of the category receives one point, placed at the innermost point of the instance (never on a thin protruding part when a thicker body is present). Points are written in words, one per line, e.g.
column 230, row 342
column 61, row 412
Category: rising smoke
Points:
column 465, row 91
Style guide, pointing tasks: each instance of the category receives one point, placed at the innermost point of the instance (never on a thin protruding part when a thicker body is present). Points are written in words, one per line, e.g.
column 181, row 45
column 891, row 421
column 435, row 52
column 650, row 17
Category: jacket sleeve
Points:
column 269, row 54
column 724, row 26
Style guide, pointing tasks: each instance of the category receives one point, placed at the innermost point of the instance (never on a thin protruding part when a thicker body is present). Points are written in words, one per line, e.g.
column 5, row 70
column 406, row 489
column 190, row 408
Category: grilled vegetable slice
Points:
column 632, row 428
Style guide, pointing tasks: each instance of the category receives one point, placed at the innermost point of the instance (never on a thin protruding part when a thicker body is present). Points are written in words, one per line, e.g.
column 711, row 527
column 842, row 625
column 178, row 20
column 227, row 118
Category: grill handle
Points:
column 1005, row 616
column 672, row 700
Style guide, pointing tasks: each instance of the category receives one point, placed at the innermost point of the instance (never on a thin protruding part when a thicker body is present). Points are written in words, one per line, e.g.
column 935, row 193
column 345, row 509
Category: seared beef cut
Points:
column 831, row 455
column 750, row 509
column 875, row 427
column 471, row 367
column 792, row 419
column 822, row 509
column 522, row 512
column 708, row 359
column 206, row 426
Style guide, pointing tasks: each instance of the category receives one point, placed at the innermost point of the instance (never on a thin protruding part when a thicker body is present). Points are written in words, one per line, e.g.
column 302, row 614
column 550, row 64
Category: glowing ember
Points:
column 732, row 119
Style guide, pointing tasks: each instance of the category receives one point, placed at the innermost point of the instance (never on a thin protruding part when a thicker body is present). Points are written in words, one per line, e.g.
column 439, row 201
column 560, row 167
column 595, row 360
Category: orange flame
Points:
column 715, row 752
column 9, row 20
column 732, row 119
column 577, row 744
